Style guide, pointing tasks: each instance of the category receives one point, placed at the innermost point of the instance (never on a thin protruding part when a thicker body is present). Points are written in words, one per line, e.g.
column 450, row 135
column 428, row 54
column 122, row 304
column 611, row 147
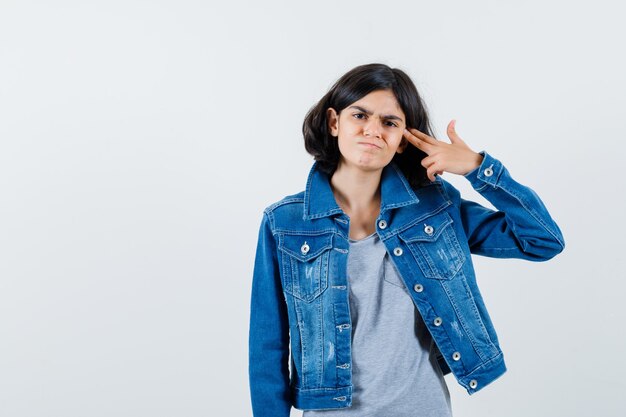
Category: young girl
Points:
column 364, row 293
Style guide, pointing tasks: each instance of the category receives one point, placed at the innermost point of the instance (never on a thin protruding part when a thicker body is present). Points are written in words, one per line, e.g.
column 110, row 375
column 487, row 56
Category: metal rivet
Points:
column 397, row 251
column 438, row 321
column 305, row 248
column 418, row 287
column 456, row 356
column 473, row 383
column 428, row 229
column 382, row 224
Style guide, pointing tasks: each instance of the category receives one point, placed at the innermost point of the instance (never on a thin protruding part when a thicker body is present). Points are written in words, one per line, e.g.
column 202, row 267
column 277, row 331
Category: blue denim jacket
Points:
column 299, row 298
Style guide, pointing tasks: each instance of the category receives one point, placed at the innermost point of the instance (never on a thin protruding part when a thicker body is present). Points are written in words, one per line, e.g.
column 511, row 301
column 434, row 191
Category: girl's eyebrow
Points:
column 385, row 116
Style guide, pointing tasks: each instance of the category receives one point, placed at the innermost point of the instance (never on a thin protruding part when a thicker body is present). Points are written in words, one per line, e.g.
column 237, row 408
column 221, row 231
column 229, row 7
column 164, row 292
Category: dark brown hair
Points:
column 352, row 86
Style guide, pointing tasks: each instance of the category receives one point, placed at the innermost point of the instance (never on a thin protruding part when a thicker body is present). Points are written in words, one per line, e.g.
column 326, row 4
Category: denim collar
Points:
column 319, row 200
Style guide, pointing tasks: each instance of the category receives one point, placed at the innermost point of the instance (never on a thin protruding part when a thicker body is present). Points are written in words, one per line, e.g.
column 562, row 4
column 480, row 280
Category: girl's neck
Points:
column 356, row 191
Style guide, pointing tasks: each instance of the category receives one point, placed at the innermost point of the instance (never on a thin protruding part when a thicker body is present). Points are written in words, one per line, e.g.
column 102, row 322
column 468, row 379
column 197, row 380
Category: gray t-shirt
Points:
column 394, row 369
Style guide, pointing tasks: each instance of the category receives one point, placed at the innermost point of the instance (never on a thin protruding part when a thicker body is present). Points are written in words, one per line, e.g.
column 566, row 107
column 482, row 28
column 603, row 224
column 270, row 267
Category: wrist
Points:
column 478, row 160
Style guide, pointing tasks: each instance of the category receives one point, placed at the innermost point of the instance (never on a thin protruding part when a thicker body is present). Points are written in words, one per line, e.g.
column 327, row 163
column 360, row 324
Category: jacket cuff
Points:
column 487, row 173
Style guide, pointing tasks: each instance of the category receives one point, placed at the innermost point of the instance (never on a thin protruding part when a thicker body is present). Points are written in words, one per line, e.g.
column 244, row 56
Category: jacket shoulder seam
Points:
column 284, row 201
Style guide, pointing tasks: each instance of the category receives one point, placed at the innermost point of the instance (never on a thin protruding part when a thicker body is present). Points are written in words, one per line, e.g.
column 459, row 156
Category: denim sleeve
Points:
column 268, row 342
column 520, row 228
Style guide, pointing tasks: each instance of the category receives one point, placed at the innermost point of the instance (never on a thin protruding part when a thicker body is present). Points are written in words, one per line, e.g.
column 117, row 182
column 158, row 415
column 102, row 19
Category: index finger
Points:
column 423, row 136
column 420, row 140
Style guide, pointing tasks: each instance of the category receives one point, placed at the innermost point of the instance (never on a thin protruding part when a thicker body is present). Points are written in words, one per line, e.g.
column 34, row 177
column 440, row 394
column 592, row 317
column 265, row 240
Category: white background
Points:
column 141, row 140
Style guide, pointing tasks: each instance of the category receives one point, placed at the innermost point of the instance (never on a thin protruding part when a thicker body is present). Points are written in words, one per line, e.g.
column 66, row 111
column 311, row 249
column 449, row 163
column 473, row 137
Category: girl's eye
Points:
column 362, row 114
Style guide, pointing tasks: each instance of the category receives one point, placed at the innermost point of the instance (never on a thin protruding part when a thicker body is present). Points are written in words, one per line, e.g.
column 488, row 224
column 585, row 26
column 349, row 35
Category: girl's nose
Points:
column 372, row 128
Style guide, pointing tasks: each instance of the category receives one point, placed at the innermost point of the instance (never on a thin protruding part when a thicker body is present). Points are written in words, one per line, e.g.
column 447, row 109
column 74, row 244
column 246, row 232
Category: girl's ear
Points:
column 333, row 121
column 403, row 145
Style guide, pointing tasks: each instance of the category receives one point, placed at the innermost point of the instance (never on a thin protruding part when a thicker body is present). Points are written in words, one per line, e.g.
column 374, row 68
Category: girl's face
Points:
column 369, row 131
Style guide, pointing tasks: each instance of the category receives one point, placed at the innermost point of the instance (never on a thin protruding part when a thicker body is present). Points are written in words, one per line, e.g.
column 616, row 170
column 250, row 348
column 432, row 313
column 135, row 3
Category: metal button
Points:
column 428, row 229
column 456, row 356
column 382, row 224
column 305, row 248
column 397, row 251
column 473, row 383
column 418, row 287
column 488, row 171
column 438, row 321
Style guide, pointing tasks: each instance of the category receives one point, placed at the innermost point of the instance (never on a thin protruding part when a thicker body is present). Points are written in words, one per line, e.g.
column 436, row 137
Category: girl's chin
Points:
column 366, row 162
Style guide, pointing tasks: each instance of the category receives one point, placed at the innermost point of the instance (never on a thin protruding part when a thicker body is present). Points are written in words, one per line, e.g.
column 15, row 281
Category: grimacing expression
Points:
column 369, row 131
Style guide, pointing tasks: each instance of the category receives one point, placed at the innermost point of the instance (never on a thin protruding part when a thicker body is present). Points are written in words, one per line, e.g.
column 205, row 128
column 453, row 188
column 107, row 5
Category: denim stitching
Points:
column 418, row 220
column 445, row 240
column 303, row 347
column 461, row 318
column 317, row 232
column 526, row 207
column 464, row 323
column 308, row 188
column 476, row 312
column 320, row 357
column 282, row 202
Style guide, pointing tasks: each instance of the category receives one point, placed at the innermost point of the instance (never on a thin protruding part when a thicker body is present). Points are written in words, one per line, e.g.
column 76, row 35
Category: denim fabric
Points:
column 394, row 368
column 300, row 326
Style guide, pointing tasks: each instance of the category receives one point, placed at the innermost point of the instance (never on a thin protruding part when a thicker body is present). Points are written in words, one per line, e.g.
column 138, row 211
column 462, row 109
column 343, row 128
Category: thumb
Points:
column 454, row 137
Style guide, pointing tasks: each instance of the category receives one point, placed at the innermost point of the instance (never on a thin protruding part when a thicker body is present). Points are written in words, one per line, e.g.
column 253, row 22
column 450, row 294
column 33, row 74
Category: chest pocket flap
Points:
column 435, row 246
column 305, row 262
column 304, row 247
column 420, row 231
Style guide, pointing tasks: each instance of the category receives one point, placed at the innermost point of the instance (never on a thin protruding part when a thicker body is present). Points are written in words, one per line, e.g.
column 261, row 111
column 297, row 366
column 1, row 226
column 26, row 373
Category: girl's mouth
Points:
column 369, row 145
